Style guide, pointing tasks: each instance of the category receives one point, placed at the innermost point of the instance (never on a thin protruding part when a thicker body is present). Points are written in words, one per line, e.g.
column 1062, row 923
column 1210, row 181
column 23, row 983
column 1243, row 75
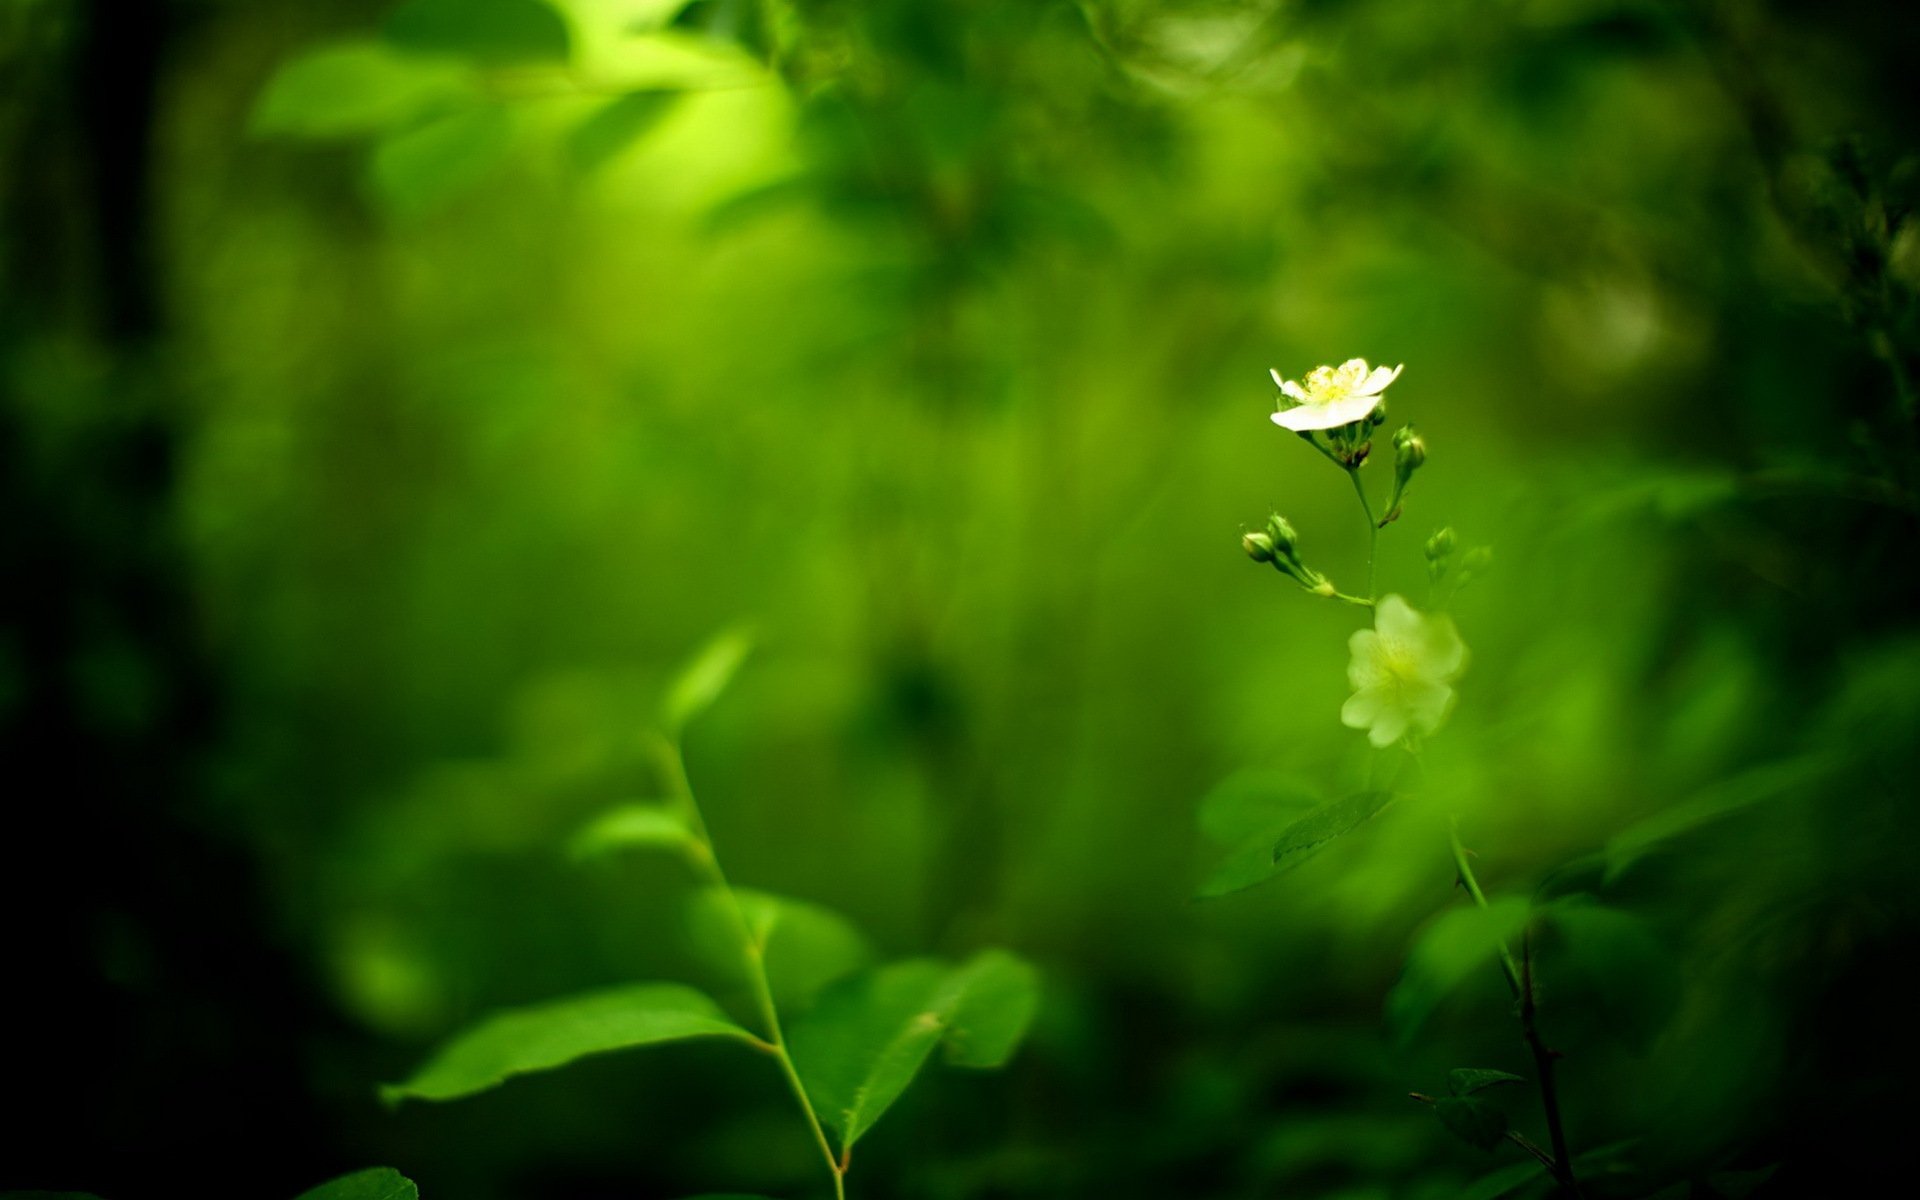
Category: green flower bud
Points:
column 1259, row 547
column 1282, row 533
column 1440, row 545
column 1477, row 560
column 1409, row 451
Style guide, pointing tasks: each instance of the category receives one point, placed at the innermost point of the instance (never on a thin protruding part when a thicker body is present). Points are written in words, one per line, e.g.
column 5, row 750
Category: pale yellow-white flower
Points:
column 1330, row 397
column 1402, row 672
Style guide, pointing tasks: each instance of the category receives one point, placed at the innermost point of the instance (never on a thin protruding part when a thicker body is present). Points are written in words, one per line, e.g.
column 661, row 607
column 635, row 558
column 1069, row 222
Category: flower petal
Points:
column 1388, row 728
column 1398, row 620
column 1424, row 704
column 1365, row 669
column 1377, row 382
column 1293, row 391
column 1308, row 417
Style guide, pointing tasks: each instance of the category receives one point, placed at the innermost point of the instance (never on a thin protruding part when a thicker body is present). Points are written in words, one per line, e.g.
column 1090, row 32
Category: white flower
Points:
column 1333, row 396
column 1401, row 672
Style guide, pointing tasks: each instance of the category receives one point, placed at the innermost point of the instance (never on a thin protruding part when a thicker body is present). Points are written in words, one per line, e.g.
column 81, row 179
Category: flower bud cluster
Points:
column 1277, row 544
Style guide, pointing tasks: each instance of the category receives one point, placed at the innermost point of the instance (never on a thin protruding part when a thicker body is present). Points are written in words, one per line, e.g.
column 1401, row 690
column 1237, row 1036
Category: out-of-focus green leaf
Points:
column 350, row 89
column 417, row 170
column 1278, row 851
column 1606, row 976
column 1251, row 805
column 702, row 680
column 1465, row 1081
column 490, row 32
column 634, row 827
column 554, row 1034
column 868, row 1036
column 616, row 125
column 803, row 946
column 1459, row 943
column 1472, row 1121
column 1731, row 796
column 374, row 1183
column 1504, row 1182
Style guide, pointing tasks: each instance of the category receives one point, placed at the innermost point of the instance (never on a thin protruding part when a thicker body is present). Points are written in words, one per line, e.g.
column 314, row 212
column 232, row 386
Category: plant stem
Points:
column 753, row 953
column 1373, row 527
column 1520, row 980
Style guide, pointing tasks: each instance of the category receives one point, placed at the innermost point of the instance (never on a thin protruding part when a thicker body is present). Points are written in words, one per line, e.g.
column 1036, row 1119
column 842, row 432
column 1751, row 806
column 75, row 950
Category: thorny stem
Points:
column 1373, row 527
column 753, row 955
column 1520, row 980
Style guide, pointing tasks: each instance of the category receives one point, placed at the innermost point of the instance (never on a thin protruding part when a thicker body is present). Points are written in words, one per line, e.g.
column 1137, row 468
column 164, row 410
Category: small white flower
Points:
column 1402, row 672
column 1333, row 396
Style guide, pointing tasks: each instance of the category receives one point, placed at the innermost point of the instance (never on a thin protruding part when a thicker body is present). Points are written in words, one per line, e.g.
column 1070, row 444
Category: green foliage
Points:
column 635, row 827
column 490, row 32
column 702, row 680
column 1461, row 942
column 616, row 125
column 553, row 1034
column 801, row 946
column 867, row 1037
column 1285, row 839
column 1472, row 1120
column 417, row 169
column 354, row 88
column 1465, row 1081
column 374, row 1183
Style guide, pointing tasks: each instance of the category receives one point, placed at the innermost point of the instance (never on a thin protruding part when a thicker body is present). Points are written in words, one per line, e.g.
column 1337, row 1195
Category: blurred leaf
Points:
column 554, row 1034
column 868, row 1036
column 417, row 170
column 1605, row 976
column 1278, row 851
column 1731, row 796
column 617, row 125
column 634, row 827
column 1465, row 1081
column 375, row 1183
column 1472, row 1121
column 1255, row 805
column 804, row 946
column 350, row 89
column 1505, row 1181
column 490, row 32
column 1460, row 942
column 702, row 680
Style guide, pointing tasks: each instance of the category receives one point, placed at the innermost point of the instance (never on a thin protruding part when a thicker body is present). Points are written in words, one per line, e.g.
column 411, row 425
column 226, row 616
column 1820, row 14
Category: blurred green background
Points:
column 394, row 395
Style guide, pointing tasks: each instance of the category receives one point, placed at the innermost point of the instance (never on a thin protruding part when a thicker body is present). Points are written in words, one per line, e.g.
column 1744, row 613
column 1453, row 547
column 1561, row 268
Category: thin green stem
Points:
column 1520, row 980
column 1373, row 527
column 753, row 953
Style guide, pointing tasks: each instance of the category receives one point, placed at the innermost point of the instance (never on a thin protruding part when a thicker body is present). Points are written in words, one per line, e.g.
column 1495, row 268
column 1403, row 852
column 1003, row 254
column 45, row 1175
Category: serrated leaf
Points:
column 1462, row 941
column 375, row 1183
column 489, row 32
column 551, row 1035
column 868, row 1036
column 1275, row 853
column 349, row 89
column 803, row 947
column 1465, row 1081
column 1472, row 1121
column 702, row 680
column 416, row 170
column 616, row 125
column 634, row 827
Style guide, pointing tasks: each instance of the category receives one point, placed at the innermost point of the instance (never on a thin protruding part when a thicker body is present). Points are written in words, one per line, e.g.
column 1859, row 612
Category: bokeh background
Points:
column 392, row 395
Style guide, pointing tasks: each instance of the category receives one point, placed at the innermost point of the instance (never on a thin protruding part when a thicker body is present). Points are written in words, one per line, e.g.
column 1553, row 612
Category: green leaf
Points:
column 617, row 125
column 490, row 32
column 1472, row 1121
column 1278, row 851
column 700, row 683
column 1462, row 941
column 803, row 947
column 554, row 1034
column 1724, row 799
column 1505, row 1181
column 1614, row 983
column 349, row 89
column 1255, row 805
column 634, row 827
column 417, row 170
column 375, row 1183
column 1465, row 1081
column 868, row 1036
